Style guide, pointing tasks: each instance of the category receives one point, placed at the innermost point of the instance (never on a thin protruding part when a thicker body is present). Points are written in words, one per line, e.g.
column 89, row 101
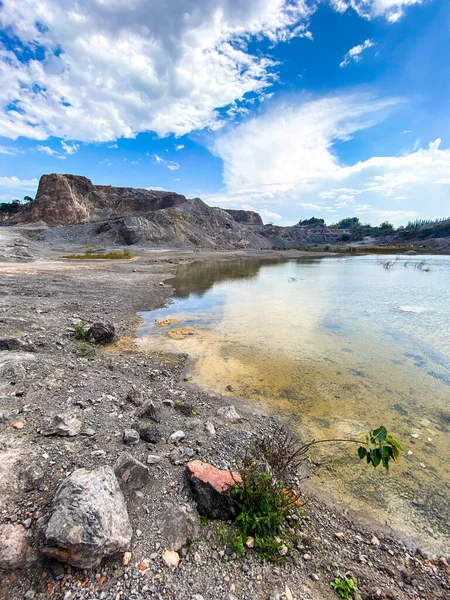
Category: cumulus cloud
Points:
column 98, row 70
column 354, row 54
column 179, row 147
column 113, row 69
column 300, row 166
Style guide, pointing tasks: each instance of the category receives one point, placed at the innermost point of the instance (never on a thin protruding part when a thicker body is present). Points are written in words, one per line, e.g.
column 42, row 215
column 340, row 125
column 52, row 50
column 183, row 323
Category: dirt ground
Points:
column 40, row 300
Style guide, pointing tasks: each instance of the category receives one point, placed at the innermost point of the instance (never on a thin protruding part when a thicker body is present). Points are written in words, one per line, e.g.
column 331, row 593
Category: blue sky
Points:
column 293, row 108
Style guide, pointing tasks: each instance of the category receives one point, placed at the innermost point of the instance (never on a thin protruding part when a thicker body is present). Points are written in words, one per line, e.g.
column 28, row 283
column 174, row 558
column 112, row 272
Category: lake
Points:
column 334, row 347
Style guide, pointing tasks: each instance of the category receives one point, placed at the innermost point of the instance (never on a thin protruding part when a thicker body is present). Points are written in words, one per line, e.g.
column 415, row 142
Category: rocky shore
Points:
column 94, row 442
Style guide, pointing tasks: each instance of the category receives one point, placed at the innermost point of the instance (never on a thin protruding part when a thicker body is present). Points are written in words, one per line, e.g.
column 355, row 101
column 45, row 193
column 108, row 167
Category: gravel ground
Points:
column 39, row 303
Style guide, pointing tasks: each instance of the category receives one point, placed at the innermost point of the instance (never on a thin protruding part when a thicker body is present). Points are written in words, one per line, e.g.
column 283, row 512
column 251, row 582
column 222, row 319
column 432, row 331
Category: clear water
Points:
column 335, row 347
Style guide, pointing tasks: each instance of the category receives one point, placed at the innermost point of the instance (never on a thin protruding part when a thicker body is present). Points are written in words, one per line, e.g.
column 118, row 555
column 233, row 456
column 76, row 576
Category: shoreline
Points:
column 40, row 301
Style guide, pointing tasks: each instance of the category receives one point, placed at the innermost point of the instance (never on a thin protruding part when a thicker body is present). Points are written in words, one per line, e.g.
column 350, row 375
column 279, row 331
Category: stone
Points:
column 210, row 429
column 130, row 436
column 65, row 424
column 210, row 488
column 179, row 526
column 150, row 434
column 130, row 472
column 31, row 478
column 229, row 413
column 250, row 542
column 375, row 541
column 126, row 558
column 101, row 333
column 16, row 345
column 149, row 411
column 88, row 519
column 18, row 425
column 15, row 552
column 176, row 437
column 181, row 455
column 153, row 459
column 171, row 558
column 135, row 397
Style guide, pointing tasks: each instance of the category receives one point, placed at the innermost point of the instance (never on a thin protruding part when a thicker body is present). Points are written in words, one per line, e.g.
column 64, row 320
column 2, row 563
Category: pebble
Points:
column 375, row 541
column 126, row 558
column 18, row 425
column 171, row 558
column 153, row 459
column 307, row 557
column 177, row 436
column 340, row 535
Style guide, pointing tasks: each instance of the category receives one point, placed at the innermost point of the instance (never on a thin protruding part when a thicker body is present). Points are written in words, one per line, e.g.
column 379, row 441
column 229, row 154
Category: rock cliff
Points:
column 245, row 216
column 71, row 199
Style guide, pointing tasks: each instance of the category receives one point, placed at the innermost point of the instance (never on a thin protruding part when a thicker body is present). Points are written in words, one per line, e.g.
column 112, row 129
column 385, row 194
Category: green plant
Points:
column 127, row 253
column 379, row 447
column 80, row 331
column 237, row 544
column 89, row 249
column 204, row 521
column 85, row 350
column 344, row 587
column 264, row 502
column 222, row 534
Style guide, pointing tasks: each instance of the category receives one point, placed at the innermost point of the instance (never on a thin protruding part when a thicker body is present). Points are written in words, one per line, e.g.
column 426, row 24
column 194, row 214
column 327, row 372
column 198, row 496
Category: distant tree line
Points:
column 15, row 206
column 354, row 230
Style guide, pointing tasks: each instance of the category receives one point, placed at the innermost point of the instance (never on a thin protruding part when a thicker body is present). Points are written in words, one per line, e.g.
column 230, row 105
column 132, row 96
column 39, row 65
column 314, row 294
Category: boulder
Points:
column 150, row 434
column 88, row 519
column 135, row 397
column 130, row 472
column 131, row 436
column 211, row 488
column 101, row 333
column 15, row 345
column 181, row 455
column 149, row 411
column 179, row 525
column 66, row 424
column 15, row 552
column 229, row 413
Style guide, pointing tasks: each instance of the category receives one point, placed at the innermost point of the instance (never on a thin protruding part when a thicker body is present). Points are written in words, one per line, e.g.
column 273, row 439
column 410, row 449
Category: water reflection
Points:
column 323, row 344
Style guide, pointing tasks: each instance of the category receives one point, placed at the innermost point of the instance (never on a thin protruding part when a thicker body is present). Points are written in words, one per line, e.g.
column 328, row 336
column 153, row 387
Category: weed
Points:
column 85, row 350
column 89, row 250
column 222, row 532
column 344, row 587
column 204, row 521
column 264, row 502
column 124, row 255
column 80, row 331
column 237, row 543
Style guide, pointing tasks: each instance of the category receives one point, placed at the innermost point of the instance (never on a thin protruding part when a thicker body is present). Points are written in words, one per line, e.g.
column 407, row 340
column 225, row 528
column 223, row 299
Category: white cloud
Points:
column 113, row 69
column 113, row 146
column 270, row 215
column 16, row 183
column 300, row 164
column 50, row 152
column 391, row 10
column 170, row 164
column 10, row 150
column 69, row 148
column 354, row 54
column 179, row 147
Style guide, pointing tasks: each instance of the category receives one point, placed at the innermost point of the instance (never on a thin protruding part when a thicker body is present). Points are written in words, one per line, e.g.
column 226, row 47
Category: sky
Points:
column 292, row 108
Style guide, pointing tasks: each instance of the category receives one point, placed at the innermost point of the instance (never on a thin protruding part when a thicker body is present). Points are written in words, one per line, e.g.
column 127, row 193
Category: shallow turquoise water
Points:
column 335, row 346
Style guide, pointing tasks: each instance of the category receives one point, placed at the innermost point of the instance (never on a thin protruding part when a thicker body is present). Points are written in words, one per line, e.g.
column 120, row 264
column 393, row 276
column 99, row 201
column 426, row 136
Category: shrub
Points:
column 80, row 331
column 269, row 508
column 85, row 350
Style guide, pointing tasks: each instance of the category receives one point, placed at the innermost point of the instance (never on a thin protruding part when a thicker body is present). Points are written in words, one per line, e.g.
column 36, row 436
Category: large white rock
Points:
column 88, row 519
